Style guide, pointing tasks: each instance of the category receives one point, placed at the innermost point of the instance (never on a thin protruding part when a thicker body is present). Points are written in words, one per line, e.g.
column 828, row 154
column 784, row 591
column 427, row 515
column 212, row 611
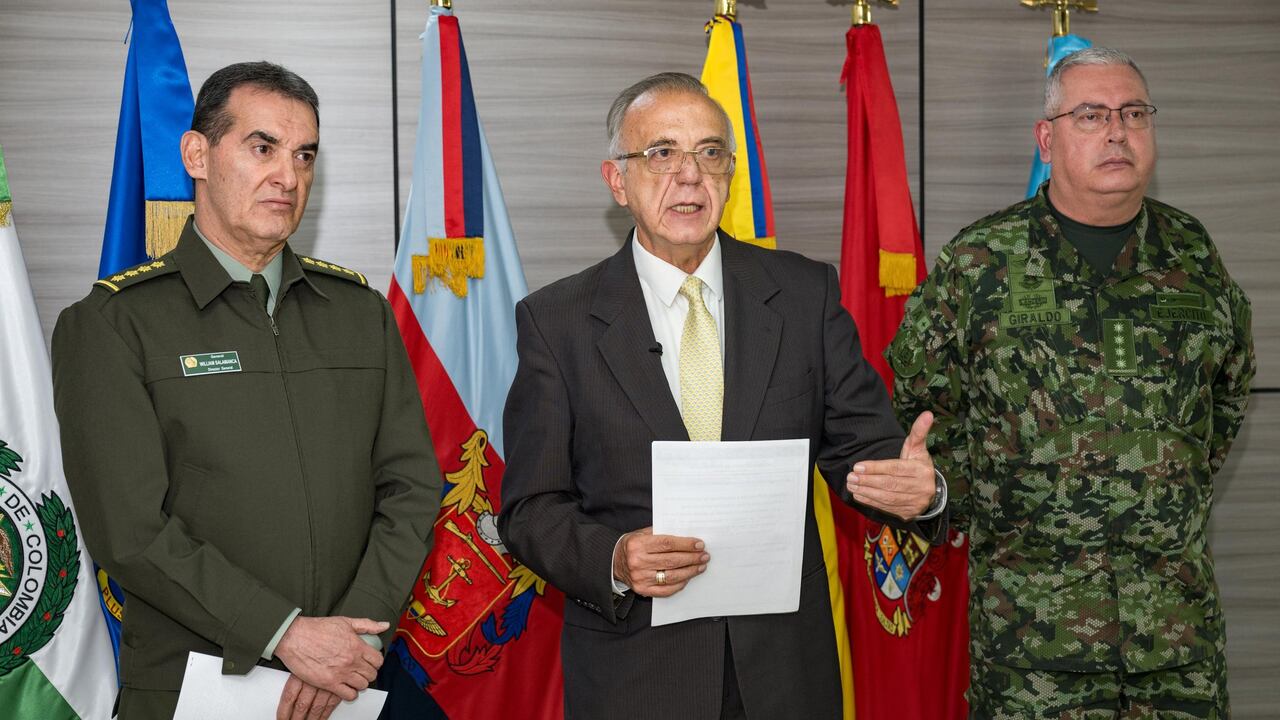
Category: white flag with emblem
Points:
column 55, row 654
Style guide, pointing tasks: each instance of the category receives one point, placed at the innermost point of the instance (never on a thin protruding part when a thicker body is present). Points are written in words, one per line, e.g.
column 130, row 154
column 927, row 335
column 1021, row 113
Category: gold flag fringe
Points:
column 897, row 273
column 5, row 207
column 450, row 261
column 165, row 220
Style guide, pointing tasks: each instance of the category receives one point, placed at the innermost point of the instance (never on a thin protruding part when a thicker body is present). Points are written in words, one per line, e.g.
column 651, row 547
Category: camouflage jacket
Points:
column 1080, row 420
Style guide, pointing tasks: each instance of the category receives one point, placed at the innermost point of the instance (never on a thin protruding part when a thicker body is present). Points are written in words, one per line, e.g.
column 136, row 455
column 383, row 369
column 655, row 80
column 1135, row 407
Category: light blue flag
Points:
column 1059, row 47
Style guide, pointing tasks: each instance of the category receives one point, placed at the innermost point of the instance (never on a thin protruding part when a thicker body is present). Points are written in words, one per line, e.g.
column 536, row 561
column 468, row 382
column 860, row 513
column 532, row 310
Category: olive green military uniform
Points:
column 230, row 466
column 1080, row 419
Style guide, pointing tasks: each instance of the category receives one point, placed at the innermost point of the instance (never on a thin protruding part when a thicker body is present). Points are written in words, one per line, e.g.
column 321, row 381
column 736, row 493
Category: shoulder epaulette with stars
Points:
column 330, row 269
column 116, row 282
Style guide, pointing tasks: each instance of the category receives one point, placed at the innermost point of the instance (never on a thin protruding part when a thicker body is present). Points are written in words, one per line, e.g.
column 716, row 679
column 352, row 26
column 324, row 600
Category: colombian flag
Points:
column 748, row 216
column 481, row 633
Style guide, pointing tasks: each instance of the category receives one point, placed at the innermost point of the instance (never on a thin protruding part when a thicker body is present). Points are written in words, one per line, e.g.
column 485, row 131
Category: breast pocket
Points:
column 1179, row 352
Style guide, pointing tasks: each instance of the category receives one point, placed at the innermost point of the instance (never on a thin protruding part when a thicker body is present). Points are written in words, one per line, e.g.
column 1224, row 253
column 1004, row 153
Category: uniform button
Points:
column 231, row 665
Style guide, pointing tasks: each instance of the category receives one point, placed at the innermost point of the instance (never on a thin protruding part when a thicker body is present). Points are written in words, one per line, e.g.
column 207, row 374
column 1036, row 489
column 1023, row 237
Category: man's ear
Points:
column 194, row 148
column 615, row 179
column 1044, row 140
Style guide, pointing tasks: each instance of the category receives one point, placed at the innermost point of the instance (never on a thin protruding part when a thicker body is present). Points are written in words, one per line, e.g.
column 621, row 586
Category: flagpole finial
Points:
column 727, row 8
column 862, row 11
column 1062, row 12
column 446, row 4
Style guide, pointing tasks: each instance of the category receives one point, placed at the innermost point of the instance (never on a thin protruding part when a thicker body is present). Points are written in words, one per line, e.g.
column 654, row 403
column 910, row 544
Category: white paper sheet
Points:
column 746, row 501
column 207, row 694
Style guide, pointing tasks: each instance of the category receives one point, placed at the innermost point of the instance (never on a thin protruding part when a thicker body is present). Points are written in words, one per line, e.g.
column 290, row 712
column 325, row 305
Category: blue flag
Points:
column 150, row 189
column 1059, row 47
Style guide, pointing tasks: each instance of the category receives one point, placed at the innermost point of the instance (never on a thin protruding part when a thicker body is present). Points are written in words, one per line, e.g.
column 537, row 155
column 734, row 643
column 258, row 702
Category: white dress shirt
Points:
column 660, row 282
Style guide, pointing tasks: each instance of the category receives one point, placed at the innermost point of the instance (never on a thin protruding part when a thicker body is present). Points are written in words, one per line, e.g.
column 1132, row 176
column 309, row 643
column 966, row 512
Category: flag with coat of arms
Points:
column 55, row 655
column 908, row 601
column 481, row 636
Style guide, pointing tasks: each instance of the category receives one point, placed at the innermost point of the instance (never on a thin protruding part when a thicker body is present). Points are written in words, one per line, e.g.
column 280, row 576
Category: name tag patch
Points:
column 210, row 363
column 1181, row 314
column 1017, row 319
column 1032, row 300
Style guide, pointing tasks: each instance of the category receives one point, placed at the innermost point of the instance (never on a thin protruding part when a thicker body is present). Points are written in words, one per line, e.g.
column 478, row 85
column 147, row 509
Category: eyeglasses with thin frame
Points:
column 1092, row 118
column 667, row 160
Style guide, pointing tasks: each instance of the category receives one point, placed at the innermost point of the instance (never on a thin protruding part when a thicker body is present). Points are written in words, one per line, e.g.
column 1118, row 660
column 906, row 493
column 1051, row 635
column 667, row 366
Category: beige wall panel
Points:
column 544, row 79
column 1245, row 544
column 60, row 97
column 1213, row 70
column 63, row 66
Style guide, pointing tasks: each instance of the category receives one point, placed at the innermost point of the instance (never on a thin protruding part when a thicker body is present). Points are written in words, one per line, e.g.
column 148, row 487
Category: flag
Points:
column 55, row 658
column 150, row 196
column 748, row 216
column 150, row 190
column 1059, row 47
column 481, row 633
column 907, row 610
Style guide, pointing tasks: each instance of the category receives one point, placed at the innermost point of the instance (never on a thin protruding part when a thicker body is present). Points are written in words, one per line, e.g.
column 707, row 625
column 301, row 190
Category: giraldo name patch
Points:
column 210, row 363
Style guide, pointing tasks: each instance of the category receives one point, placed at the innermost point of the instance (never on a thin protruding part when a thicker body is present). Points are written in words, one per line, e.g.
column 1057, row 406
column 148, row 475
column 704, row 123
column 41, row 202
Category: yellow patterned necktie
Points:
column 701, row 372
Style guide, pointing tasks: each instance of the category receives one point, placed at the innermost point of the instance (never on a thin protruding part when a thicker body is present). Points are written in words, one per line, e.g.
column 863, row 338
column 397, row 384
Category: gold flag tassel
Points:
column 5, row 207
column 897, row 273
column 450, row 261
column 165, row 220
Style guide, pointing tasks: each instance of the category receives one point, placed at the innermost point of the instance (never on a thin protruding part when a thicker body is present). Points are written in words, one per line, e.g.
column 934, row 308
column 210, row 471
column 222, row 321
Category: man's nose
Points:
column 1116, row 130
column 689, row 171
column 284, row 175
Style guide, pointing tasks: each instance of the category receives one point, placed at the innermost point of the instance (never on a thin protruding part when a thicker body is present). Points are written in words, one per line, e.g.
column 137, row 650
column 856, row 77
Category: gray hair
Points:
column 1087, row 56
column 662, row 82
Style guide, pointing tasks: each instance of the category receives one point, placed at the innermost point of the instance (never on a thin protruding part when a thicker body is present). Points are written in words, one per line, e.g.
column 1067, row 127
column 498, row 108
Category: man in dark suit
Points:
column 688, row 334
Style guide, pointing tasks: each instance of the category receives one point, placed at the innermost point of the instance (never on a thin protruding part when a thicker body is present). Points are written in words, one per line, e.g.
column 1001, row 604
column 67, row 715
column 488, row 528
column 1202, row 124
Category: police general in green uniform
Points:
column 1088, row 359
column 241, row 428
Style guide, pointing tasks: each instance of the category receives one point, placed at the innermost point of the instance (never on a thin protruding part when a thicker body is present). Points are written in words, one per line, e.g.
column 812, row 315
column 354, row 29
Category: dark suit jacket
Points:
column 590, row 397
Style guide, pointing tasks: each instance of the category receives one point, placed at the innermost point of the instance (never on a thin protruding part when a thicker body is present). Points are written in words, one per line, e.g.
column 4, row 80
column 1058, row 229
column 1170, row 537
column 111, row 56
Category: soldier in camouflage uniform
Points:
column 1086, row 391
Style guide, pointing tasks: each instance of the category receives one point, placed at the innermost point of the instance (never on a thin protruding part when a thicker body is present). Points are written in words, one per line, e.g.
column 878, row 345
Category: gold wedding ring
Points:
column 661, row 577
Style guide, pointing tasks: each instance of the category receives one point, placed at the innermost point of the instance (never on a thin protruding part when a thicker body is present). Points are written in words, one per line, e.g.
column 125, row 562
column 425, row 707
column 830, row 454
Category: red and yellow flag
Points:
column 907, row 601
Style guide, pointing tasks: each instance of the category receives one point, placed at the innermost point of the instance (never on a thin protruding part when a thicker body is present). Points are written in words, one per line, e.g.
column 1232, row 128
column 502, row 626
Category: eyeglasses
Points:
column 667, row 160
column 1092, row 118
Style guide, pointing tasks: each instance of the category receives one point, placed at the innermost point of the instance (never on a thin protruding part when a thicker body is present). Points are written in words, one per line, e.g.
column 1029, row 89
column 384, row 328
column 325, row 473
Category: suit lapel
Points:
column 754, row 332
column 626, row 343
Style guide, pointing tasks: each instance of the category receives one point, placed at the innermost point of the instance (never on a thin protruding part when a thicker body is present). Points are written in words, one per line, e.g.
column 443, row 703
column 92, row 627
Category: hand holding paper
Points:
column 327, row 652
column 902, row 487
column 641, row 555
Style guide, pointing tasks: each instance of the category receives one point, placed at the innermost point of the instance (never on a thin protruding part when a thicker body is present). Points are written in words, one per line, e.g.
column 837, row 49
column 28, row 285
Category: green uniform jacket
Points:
column 299, row 474
column 1081, row 418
